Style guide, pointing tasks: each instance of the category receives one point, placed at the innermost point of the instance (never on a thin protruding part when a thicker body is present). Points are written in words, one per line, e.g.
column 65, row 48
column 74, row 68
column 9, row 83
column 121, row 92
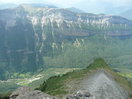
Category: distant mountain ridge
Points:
column 30, row 36
column 127, row 14
column 12, row 5
column 7, row 5
column 75, row 10
column 39, row 5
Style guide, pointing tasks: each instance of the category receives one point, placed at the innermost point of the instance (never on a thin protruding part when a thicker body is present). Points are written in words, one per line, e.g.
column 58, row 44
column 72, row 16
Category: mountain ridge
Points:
column 98, row 79
column 127, row 14
column 29, row 34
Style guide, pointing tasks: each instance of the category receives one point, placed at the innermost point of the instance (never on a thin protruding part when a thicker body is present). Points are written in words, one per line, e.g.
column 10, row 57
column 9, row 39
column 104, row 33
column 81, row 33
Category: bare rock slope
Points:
column 103, row 86
column 27, row 93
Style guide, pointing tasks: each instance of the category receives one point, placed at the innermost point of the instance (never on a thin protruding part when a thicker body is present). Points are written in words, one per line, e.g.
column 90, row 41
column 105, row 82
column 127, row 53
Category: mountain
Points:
column 127, row 14
column 75, row 10
column 96, row 81
column 36, row 38
column 39, row 5
column 36, row 5
column 7, row 5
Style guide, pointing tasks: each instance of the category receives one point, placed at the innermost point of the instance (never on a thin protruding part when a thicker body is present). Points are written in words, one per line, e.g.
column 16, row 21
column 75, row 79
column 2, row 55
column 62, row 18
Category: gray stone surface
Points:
column 103, row 86
column 27, row 93
column 81, row 95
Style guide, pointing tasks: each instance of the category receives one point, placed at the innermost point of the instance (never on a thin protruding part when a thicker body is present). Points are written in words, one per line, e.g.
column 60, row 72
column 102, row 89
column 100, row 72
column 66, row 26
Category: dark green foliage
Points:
column 4, row 96
column 53, row 85
column 98, row 63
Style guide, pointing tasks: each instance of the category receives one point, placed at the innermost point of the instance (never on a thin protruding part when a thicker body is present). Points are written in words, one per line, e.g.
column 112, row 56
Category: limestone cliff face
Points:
column 28, row 33
column 17, row 40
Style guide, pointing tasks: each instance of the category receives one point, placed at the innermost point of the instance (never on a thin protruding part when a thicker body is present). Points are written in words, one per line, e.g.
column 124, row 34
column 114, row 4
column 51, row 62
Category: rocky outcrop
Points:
column 81, row 95
column 27, row 93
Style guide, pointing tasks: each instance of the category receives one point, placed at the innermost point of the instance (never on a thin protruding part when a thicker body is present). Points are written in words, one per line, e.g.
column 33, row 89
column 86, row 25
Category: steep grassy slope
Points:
column 69, row 83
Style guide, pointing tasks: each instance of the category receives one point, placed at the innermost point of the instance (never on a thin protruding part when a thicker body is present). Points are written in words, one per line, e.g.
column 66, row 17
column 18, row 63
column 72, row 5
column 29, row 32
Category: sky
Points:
column 91, row 6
